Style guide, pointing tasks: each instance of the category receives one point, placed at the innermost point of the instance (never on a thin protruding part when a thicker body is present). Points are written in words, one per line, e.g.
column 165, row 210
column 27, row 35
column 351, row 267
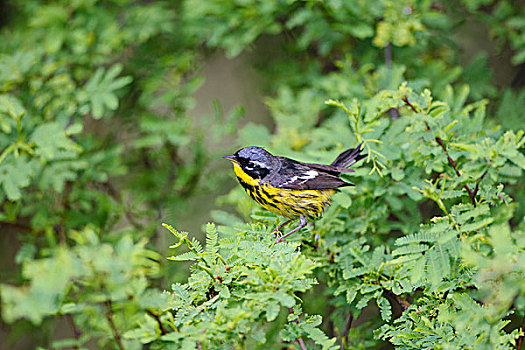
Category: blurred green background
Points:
column 113, row 115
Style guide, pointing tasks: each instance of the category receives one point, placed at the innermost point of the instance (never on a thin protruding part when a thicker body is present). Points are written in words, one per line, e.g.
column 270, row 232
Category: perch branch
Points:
column 114, row 330
column 299, row 339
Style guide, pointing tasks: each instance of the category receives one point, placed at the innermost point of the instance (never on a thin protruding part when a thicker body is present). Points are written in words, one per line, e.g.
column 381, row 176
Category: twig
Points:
column 471, row 193
column 405, row 99
column 439, row 140
column 299, row 340
column 447, row 292
column 477, row 183
column 520, row 339
column 159, row 322
column 114, row 330
column 76, row 332
column 399, row 299
column 346, row 330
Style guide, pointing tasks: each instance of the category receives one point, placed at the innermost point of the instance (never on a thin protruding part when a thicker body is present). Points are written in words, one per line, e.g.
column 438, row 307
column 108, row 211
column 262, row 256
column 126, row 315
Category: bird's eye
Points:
column 250, row 166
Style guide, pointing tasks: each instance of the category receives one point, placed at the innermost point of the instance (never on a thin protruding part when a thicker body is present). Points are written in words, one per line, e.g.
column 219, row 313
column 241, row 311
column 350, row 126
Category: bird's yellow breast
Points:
column 284, row 202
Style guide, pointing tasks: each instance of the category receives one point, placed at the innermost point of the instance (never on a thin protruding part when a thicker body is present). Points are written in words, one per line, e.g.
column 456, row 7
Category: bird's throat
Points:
column 243, row 177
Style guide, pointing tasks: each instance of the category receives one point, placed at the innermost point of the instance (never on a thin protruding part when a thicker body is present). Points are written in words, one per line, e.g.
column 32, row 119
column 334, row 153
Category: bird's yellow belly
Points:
column 292, row 203
column 283, row 202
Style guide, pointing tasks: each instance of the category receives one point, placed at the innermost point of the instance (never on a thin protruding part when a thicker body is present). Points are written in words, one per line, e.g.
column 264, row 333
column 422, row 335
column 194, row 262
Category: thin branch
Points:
column 520, row 339
column 114, row 330
column 299, row 340
column 476, row 189
column 159, row 322
column 76, row 331
column 346, row 330
column 405, row 99
column 439, row 140
column 399, row 299
column 471, row 193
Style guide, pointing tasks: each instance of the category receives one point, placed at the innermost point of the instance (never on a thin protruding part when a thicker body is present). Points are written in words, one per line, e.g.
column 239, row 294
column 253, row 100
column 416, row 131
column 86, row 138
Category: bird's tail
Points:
column 349, row 157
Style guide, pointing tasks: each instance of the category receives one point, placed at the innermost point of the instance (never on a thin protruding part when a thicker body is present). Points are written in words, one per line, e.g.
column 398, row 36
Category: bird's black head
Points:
column 255, row 161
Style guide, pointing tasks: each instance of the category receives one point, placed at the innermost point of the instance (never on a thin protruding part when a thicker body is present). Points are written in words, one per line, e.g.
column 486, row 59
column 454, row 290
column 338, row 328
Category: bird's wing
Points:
column 294, row 175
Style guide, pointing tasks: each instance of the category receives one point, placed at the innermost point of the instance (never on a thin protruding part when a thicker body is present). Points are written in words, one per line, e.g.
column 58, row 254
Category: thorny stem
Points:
column 114, row 330
column 299, row 340
column 439, row 140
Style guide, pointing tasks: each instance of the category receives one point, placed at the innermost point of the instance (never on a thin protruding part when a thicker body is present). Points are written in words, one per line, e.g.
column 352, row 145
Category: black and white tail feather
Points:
column 348, row 158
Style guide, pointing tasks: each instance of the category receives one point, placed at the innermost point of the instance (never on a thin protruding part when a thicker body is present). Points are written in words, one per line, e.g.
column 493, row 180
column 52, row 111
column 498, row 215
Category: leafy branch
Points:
column 439, row 140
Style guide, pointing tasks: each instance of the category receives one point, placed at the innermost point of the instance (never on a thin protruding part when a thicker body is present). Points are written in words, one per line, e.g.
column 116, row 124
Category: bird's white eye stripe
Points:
column 261, row 164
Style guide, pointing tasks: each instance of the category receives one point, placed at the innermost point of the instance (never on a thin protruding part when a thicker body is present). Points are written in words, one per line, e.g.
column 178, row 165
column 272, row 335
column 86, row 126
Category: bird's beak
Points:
column 231, row 159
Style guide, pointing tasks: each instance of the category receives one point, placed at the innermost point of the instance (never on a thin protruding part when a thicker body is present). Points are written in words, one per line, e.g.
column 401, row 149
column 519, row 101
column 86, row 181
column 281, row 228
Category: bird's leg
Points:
column 279, row 228
column 302, row 223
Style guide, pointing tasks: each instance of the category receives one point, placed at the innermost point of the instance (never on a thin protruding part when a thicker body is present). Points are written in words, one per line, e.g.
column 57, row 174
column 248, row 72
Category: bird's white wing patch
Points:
column 292, row 180
column 310, row 174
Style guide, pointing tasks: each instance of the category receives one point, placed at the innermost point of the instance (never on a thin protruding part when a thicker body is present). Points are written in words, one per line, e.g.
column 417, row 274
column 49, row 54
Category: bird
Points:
column 289, row 188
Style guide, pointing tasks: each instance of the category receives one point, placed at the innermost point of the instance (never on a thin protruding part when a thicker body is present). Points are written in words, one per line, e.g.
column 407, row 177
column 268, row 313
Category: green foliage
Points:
column 88, row 282
column 232, row 295
column 86, row 114
column 444, row 275
column 97, row 148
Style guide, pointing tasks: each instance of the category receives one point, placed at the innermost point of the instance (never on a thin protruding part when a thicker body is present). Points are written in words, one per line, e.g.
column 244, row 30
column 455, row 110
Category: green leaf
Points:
column 100, row 89
column 272, row 311
column 211, row 239
column 15, row 174
column 11, row 106
column 384, row 308
column 51, row 141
